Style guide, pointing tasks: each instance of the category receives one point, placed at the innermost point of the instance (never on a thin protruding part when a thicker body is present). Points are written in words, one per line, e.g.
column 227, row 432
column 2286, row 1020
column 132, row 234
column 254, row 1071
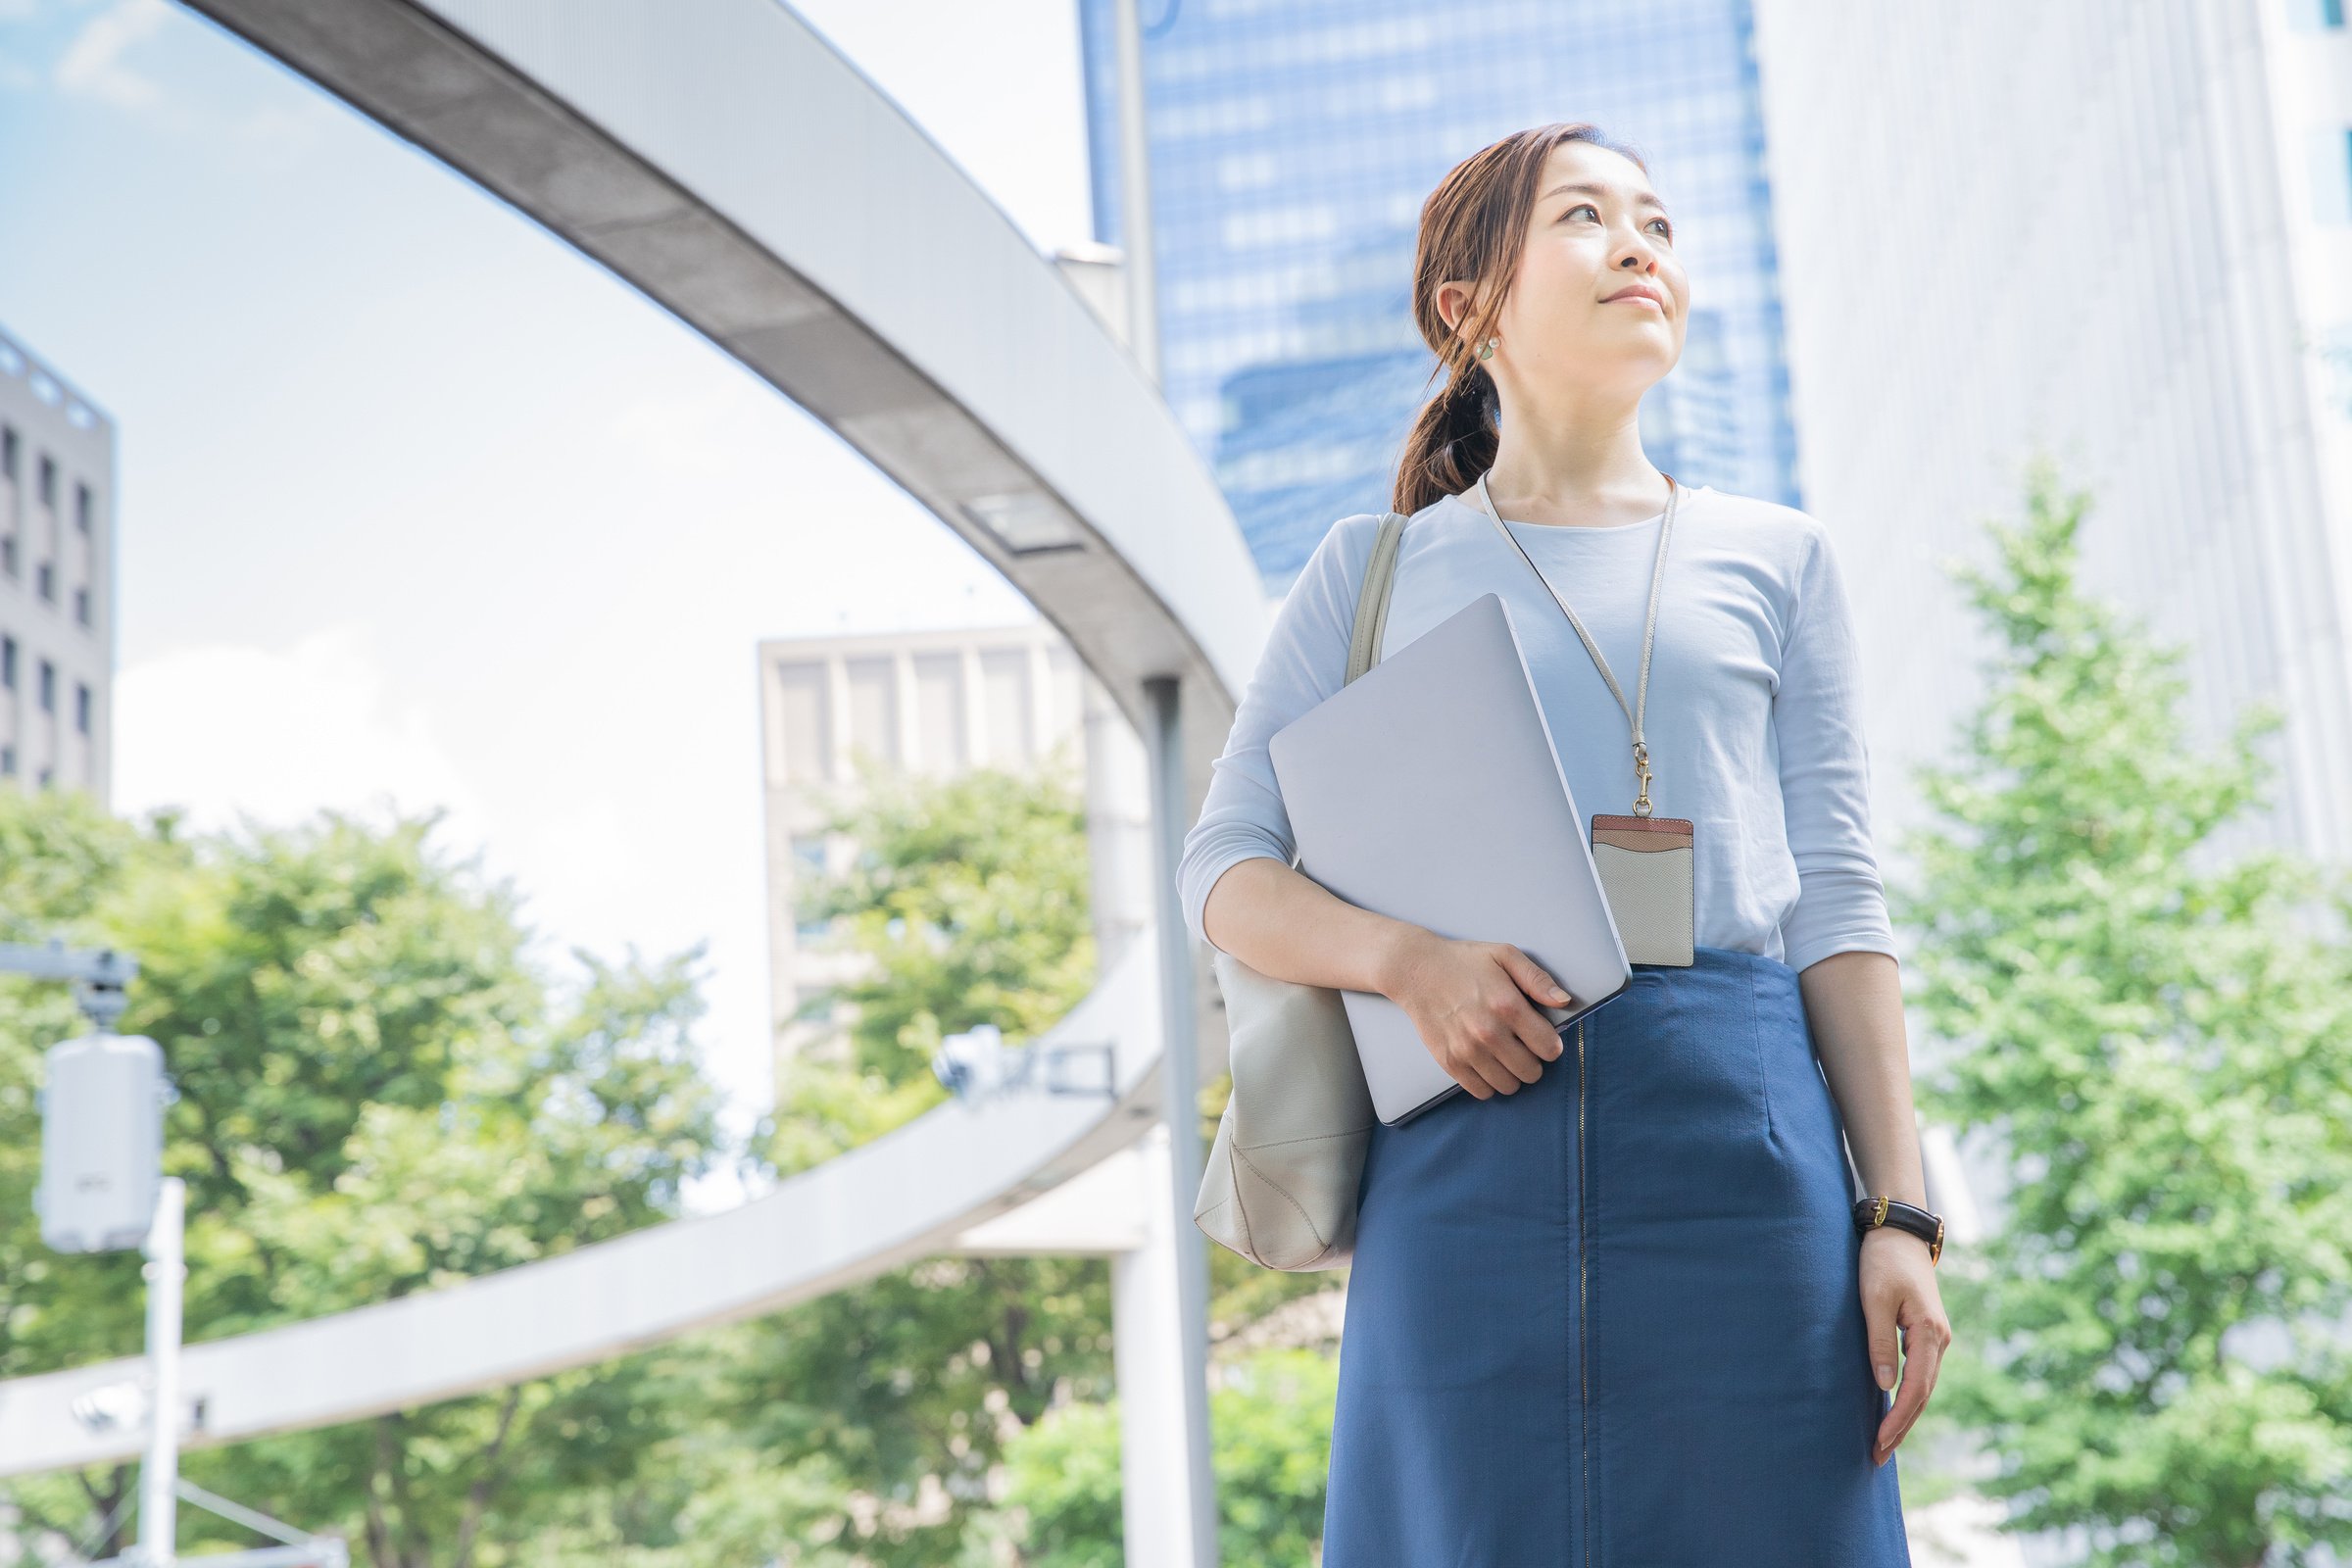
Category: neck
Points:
column 1571, row 464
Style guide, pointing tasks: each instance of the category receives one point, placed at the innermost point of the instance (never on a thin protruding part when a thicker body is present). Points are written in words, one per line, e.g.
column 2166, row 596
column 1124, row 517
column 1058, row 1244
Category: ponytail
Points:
column 1452, row 443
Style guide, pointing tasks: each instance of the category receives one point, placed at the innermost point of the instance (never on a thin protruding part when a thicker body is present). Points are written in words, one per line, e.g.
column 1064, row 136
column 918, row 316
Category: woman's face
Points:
column 1597, row 231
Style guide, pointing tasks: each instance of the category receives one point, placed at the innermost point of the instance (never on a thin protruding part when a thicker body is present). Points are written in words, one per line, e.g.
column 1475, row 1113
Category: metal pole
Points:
column 158, row 1477
column 1134, row 197
column 1181, row 1095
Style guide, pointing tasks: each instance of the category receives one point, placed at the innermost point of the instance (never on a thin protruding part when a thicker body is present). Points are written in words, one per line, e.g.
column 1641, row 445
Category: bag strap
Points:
column 1372, row 599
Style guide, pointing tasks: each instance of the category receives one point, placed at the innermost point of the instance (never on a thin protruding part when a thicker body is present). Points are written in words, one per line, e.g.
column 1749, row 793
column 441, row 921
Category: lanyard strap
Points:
column 1657, row 575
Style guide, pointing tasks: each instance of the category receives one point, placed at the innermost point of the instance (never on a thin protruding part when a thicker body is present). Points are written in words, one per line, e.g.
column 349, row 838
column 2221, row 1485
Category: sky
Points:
column 418, row 508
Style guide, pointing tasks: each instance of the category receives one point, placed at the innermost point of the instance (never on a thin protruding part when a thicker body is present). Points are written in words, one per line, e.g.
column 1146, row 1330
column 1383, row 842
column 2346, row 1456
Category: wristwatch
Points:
column 1872, row 1212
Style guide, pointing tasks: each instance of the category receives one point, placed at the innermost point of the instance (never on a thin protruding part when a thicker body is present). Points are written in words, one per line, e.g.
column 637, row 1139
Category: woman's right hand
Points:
column 1469, row 999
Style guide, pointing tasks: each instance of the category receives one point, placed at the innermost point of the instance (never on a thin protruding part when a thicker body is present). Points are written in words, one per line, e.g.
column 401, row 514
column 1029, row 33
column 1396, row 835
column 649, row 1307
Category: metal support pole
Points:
column 1181, row 1093
column 1135, row 196
column 158, row 1477
column 1156, row 1493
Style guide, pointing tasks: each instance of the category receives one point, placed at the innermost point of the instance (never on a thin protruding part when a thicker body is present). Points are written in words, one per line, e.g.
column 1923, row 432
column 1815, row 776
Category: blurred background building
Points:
column 1292, row 147
column 2119, row 231
column 56, row 593
column 939, row 702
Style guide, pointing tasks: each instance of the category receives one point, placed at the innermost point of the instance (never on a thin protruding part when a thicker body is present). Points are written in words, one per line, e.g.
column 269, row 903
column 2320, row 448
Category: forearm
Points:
column 1284, row 924
column 1854, row 1004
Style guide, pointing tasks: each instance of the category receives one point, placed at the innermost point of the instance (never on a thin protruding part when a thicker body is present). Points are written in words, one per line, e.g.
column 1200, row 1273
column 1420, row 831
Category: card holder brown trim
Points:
column 1645, row 833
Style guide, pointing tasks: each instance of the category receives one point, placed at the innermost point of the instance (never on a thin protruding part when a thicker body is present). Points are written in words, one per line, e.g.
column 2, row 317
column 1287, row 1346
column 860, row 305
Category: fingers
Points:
column 1501, row 1059
column 1877, row 1315
column 1927, row 1335
column 1878, row 1319
column 1528, row 1027
column 1503, row 1042
column 1491, row 1053
column 1923, row 1345
column 1909, row 1399
column 1531, row 977
column 1470, row 1064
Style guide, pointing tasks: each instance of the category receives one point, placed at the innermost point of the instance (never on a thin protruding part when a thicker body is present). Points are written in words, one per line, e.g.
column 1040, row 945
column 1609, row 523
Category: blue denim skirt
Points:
column 1612, row 1320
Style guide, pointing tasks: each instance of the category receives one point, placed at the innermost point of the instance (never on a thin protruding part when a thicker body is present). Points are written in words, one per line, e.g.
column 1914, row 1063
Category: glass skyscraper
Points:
column 1293, row 143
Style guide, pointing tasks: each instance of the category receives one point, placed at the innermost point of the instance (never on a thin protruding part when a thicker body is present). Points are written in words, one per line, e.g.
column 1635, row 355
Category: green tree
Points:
column 2153, row 1341
column 60, row 854
column 968, row 904
column 378, row 1095
column 1271, row 1426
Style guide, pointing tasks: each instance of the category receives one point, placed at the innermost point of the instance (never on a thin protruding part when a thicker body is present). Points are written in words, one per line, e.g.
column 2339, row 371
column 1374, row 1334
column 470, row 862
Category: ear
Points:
column 1457, row 301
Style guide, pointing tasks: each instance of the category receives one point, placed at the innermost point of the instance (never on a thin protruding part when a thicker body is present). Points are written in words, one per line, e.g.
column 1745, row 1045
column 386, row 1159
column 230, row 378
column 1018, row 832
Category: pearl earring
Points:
column 1488, row 352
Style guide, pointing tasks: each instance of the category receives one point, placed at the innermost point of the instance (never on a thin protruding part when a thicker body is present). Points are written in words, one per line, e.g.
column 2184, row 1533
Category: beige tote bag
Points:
column 1281, row 1181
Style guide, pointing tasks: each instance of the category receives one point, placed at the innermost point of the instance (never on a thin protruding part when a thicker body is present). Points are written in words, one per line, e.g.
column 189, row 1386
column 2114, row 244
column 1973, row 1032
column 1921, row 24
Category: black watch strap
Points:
column 1872, row 1212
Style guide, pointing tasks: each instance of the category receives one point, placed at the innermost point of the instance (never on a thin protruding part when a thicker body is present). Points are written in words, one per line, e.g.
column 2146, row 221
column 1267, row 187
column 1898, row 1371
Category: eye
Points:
column 1588, row 207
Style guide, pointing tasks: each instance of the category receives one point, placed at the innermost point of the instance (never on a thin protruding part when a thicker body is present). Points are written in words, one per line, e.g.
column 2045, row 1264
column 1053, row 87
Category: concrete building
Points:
column 936, row 703
column 57, row 580
column 2119, row 231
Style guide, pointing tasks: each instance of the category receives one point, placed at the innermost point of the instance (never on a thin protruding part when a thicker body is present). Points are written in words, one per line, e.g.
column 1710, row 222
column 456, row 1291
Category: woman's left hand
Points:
column 1898, row 1291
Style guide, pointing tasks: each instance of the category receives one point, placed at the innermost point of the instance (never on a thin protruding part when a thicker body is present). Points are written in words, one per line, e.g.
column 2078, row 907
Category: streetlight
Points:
column 103, row 1190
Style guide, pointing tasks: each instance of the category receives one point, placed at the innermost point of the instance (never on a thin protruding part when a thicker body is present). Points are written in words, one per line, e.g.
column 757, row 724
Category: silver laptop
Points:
column 1428, row 790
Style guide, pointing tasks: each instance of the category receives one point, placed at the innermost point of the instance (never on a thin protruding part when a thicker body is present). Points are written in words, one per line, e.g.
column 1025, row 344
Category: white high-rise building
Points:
column 57, row 580
column 2117, row 230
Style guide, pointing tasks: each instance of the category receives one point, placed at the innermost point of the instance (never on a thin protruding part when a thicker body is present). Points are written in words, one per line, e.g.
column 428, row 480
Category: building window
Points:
column 82, row 707
column 815, row 1004
column 81, row 506
column 7, row 663
column 2306, row 16
column 8, row 452
column 46, row 776
column 48, row 488
column 48, row 687
column 808, row 855
column 47, row 578
column 2331, row 175
column 8, row 762
column 81, row 605
column 805, row 705
column 8, row 555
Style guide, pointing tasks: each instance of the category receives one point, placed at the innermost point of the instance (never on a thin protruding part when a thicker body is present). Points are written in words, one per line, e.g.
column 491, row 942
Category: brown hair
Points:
column 1473, row 226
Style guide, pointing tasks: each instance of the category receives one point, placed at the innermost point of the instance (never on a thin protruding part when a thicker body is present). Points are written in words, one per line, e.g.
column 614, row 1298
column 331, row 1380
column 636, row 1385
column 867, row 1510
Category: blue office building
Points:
column 1293, row 143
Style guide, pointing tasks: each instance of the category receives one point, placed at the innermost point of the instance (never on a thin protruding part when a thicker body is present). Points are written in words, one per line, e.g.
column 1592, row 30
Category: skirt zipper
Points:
column 1584, row 1263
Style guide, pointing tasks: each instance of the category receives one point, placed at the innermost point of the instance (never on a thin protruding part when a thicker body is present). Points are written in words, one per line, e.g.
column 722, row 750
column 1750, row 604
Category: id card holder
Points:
column 1647, row 866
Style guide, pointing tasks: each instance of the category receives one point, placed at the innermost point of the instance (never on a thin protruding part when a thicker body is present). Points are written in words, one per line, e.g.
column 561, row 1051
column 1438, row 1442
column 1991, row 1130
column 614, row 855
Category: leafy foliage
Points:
column 379, row 1096
column 376, row 1095
column 969, row 903
column 2153, row 1342
column 1271, row 1437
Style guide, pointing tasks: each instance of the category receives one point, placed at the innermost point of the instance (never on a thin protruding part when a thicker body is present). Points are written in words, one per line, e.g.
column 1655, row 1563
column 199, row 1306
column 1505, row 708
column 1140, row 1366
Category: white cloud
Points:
column 221, row 731
column 92, row 66
column 231, row 733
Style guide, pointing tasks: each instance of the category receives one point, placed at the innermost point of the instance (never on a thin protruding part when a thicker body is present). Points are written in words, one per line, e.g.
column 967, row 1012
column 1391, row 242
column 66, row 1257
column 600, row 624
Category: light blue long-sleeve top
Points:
column 1753, row 720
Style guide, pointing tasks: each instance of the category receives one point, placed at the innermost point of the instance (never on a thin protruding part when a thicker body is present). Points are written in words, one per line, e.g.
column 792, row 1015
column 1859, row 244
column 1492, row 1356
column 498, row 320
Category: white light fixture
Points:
column 1025, row 522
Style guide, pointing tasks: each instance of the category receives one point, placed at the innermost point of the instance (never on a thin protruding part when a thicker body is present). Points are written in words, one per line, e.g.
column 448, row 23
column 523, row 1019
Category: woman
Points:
column 1619, row 1313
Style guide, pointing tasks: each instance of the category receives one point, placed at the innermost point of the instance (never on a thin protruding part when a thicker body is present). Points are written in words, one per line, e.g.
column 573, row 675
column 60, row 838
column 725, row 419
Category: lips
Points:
column 1637, row 292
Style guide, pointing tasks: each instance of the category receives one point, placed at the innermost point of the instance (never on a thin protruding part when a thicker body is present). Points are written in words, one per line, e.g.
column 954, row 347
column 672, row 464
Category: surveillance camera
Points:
column 972, row 1063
